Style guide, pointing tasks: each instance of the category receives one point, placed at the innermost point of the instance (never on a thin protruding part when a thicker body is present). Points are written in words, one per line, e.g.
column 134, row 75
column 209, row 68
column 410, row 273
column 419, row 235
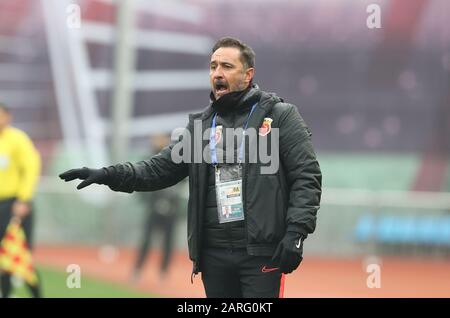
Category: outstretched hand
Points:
column 90, row 176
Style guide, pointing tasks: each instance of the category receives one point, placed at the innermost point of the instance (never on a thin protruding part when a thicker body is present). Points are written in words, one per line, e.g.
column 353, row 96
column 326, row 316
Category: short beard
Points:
column 243, row 86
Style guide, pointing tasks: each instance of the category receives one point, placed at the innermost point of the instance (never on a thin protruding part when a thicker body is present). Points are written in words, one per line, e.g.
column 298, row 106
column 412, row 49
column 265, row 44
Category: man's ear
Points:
column 249, row 74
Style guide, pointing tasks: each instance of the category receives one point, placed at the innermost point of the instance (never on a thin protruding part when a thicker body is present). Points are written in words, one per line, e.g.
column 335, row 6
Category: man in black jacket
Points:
column 162, row 211
column 247, row 216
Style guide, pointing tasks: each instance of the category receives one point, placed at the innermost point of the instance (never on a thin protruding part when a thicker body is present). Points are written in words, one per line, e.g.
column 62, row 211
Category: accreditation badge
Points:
column 229, row 193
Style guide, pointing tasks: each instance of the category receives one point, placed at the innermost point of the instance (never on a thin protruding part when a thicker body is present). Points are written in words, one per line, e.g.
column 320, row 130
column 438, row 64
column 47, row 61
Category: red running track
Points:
column 316, row 277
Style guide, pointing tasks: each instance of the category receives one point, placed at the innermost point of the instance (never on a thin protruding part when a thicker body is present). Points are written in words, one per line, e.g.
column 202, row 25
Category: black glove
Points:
column 289, row 253
column 89, row 176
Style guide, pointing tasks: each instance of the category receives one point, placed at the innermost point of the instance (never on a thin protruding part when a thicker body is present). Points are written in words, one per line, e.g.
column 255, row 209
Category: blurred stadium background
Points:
column 377, row 102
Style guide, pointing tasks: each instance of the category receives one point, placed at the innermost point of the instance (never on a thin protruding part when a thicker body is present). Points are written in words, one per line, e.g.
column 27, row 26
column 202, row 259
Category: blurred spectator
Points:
column 162, row 208
column 20, row 165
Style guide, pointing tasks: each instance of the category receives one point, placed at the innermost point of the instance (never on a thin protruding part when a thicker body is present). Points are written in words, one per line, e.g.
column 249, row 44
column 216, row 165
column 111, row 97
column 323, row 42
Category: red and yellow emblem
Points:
column 266, row 127
column 218, row 136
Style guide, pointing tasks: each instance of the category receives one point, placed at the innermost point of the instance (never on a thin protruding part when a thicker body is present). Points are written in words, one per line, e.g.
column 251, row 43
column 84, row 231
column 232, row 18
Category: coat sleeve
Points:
column 156, row 173
column 303, row 173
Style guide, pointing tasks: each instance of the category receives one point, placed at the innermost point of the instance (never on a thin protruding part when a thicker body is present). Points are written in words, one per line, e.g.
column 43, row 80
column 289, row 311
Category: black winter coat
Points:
column 287, row 200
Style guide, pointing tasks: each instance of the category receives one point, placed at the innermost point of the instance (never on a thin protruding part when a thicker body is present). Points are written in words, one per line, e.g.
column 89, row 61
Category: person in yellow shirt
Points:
column 20, row 166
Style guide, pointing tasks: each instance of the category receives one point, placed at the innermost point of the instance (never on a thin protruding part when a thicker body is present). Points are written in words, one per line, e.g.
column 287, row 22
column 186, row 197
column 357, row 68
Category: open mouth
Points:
column 220, row 88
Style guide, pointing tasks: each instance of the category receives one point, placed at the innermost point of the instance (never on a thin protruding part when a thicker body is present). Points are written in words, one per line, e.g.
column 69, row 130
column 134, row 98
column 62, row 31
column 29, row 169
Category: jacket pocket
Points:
column 266, row 209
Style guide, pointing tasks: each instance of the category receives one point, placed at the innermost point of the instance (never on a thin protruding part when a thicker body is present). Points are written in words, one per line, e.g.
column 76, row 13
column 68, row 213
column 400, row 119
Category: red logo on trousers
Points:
column 269, row 269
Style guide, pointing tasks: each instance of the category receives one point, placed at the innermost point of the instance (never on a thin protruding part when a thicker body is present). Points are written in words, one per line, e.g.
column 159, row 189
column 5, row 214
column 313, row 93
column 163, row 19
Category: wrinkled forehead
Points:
column 226, row 54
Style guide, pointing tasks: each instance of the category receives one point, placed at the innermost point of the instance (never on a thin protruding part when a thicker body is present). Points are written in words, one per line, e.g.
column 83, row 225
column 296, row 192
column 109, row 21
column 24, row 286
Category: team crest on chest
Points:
column 266, row 127
column 218, row 135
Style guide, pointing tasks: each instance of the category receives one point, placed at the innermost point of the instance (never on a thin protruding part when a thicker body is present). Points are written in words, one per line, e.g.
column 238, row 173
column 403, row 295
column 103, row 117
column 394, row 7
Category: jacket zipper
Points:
column 244, row 199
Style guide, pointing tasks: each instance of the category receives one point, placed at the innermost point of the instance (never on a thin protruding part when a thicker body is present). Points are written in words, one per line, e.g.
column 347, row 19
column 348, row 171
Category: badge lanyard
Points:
column 212, row 139
column 229, row 191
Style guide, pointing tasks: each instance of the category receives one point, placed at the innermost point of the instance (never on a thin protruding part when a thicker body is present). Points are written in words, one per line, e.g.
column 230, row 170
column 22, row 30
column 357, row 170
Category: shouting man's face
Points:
column 227, row 73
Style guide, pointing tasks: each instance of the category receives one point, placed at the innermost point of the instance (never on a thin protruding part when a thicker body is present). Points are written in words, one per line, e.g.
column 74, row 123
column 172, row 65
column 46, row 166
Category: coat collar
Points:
column 264, row 106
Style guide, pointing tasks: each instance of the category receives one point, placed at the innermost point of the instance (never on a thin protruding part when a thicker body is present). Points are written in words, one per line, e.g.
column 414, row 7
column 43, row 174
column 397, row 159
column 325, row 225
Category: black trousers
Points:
column 166, row 223
column 27, row 225
column 232, row 273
